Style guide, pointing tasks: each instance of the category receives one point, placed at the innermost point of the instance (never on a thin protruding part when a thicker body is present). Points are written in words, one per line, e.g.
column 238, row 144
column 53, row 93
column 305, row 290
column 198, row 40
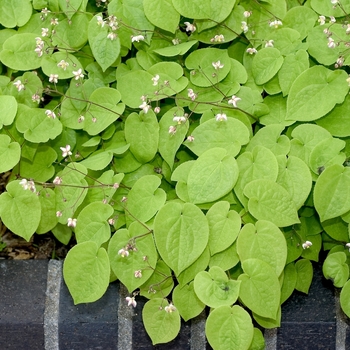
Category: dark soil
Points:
column 44, row 246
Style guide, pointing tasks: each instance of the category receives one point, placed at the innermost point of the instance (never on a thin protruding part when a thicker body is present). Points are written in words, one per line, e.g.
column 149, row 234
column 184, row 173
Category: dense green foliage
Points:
column 198, row 151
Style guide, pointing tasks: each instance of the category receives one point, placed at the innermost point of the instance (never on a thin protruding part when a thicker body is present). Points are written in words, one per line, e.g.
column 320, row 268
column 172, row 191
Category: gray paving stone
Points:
column 92, row 326
column 22, row 304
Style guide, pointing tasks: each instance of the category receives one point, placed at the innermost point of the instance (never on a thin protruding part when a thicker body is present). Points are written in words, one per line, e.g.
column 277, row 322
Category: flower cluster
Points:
column 28, row 185
column 39, row 48
column 307, row 245
column 19, row 86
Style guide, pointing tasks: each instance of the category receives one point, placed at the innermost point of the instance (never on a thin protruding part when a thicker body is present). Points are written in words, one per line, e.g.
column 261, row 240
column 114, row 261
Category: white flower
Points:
column 170, row 308
column 190, row 138
column 190, row 27
column 155, row 80
column 156, row 109
column 179, row 119
column 57, row 180
column 321, row 20
column 137, row 38
column 145, row 107
column 111, row 36
column 53, row 78
column 100, row 21
column 58, row 213
column 78, row 74
column 138, row 274
column 331, row 43
column 332, row 19
column 36, row 98
column 66, row 151
column 172, row 129
column 244, row 27
column 50, row 114
column 123, row 253
column 247, row 14
column 81, row 119
column 339, row 62
column 269, row 43
column 63, row 64
column 306, row 245
column 44, row 31
column 276, row 23
column 218, row 39
column 233, row 101
column 111, row 221
column 45, row 11
column 39, row 51
column 217, row 65
column 54, row 21
column 131, row 301
column 191, row 94
column 251, row 50
column 347, row 245
column 19, row 85
column 71, row 222
column 221, row 117
column 176, row 41
column 334, row 2
column 24, row 184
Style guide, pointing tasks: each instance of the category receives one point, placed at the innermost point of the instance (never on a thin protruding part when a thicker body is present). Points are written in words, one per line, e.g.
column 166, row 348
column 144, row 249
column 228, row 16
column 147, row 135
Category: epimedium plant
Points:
column 198, row 151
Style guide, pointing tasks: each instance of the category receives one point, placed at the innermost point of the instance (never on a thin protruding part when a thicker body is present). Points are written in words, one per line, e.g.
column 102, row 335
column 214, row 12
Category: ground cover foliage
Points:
column 198, row 151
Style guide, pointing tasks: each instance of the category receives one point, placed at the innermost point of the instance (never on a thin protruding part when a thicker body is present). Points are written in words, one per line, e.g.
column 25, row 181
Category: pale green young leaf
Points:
column 225, row 259
column 212, row 176
column 215, row 289
column 270, row 201
column 104, row 107
column 52, row 65
column 260, row 163
column 98, row 160
column 48, row 220
column 230, row 135
column 10, row 153
column 271, row 138
column 142, row 133
column 40, row 168
column 18, row 52
column 92, row 224
column 201, row 64
column 181, row 233
column 277, row 105
column 289, row 281
column 300, row 18
column 293, row 65
column 161, row 324
column 125, row 267
column 294, row 175
column 337, row 229
column 331, row 193
column 260, row 288
column 15, row 13
column 268, row 323
column 337, row 121
column 145, row 198
column 187, row 302
column 229, row 328
column 328, row 9
column 169, row 143
column 155, row 12
column 69, row 7
column 20, row 210
column 315, row 92
column 327, row 153
column 287, row 40
column 304, row 275
column 8, row 110
column 266, row 64
column 335, row 268
column 63, row 233
column 199, row 265
column 86, row 265
column 224, row 226
column 175, row 50
column 36, row 125
column 258, row 342
column 263, row 241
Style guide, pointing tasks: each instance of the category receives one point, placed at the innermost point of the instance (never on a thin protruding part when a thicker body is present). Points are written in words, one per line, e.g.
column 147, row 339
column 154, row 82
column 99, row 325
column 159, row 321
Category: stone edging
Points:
column 37, row 312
